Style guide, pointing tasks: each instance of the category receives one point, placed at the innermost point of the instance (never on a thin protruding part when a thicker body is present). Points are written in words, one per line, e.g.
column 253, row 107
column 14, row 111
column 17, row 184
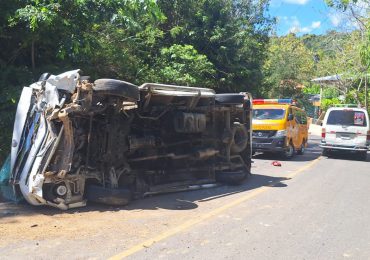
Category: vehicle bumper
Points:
column 345, row 147
column 276, row 144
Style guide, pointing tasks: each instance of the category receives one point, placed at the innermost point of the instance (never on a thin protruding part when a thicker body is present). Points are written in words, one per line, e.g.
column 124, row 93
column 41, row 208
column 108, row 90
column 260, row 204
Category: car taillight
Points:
column 323, row 133
column 368, row 135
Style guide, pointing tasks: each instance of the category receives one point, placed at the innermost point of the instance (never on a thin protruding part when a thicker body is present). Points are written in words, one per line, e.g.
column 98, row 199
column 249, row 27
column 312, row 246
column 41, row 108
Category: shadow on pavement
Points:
column 347, row 156
column 183, row 200
column 173, row 201
column 312, row 152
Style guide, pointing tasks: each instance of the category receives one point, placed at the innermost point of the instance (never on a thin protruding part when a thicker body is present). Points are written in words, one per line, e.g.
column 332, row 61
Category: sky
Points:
column 311, row 16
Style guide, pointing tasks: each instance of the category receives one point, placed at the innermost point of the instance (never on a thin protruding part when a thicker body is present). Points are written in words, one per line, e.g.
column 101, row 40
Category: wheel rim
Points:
column 302, row 148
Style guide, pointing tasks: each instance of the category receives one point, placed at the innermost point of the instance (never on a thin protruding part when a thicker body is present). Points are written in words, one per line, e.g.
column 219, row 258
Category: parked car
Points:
column 279, row 127
column 346, row 129
column 111, row 141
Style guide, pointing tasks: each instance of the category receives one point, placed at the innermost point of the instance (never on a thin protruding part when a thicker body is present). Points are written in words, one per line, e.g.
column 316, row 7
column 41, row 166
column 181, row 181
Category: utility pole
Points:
column 316, row 59
column 321, row 90
column 366, row 98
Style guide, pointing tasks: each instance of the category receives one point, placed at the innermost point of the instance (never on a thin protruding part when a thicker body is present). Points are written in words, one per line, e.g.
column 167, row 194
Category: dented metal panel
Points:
column 20, row 120
column 97, row 144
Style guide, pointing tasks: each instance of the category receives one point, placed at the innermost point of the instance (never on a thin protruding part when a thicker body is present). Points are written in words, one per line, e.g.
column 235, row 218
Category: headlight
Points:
column 280, row 133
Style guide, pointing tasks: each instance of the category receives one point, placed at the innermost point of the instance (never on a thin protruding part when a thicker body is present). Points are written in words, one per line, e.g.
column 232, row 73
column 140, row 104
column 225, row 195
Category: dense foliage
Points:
column 206, row 43
column 293, row 61
column 222, row 44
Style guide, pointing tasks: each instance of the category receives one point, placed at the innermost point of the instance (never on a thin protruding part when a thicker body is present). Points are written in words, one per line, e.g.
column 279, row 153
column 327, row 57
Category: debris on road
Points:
column 276, row 163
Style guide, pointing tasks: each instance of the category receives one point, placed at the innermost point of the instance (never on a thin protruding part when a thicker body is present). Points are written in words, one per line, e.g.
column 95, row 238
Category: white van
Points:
column 346, row 129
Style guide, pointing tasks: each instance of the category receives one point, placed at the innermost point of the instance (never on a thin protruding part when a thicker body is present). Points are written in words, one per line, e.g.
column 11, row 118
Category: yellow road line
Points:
column 303, row 168
column 203, row 217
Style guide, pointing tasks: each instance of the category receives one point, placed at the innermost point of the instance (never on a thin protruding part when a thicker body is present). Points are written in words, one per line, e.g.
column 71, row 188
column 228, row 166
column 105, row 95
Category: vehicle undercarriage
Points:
column 111, row 141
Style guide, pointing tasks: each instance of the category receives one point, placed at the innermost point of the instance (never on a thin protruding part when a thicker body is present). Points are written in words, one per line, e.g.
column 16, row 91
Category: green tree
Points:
column 214, row 43
column 183, row 65
column 288, row 68
column 106, row 38
column 232, row 34
column 359, row 10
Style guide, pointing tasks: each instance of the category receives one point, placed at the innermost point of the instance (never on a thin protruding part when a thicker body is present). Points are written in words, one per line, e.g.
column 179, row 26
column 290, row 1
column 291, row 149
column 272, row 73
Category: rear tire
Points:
column 363, row 156
column 240, row 138
column 302, row 149
column 325, row 152
column 232, row 177
column 113, row 197
column 118, row 88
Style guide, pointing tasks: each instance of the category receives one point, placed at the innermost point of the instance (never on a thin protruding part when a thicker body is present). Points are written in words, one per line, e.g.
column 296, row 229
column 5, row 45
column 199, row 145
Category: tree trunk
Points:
column 366, row 98
column 33, row 55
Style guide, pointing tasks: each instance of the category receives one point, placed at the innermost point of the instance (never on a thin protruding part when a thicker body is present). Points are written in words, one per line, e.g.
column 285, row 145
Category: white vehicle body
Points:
column 111, row 141
column 346, row 129
column 36, row 142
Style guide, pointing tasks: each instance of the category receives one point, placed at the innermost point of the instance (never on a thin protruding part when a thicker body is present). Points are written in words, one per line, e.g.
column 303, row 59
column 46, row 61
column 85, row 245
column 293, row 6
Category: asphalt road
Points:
column 311, row 207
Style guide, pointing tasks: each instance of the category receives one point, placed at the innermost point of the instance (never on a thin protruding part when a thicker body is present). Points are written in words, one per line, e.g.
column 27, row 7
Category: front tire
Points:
column 113, row 87
column 289, row 151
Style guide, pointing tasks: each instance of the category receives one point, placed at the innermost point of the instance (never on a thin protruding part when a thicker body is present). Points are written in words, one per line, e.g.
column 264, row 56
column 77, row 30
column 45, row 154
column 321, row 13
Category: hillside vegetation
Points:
column 227, row 45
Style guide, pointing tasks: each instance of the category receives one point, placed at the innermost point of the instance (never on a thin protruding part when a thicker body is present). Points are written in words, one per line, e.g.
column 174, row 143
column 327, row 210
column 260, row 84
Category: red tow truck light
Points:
column 281, row 101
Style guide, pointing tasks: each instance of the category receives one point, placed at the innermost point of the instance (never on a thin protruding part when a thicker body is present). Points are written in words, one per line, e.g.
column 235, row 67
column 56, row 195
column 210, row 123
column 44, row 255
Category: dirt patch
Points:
column 27, row 223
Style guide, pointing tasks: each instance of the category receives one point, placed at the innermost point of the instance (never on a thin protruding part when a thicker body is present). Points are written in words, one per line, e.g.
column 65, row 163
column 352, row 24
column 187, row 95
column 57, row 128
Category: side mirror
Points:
column 290, row 117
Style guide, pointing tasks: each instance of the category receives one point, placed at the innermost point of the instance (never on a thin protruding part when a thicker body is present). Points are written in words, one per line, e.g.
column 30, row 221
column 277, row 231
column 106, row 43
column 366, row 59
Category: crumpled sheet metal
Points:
column 65, row 81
